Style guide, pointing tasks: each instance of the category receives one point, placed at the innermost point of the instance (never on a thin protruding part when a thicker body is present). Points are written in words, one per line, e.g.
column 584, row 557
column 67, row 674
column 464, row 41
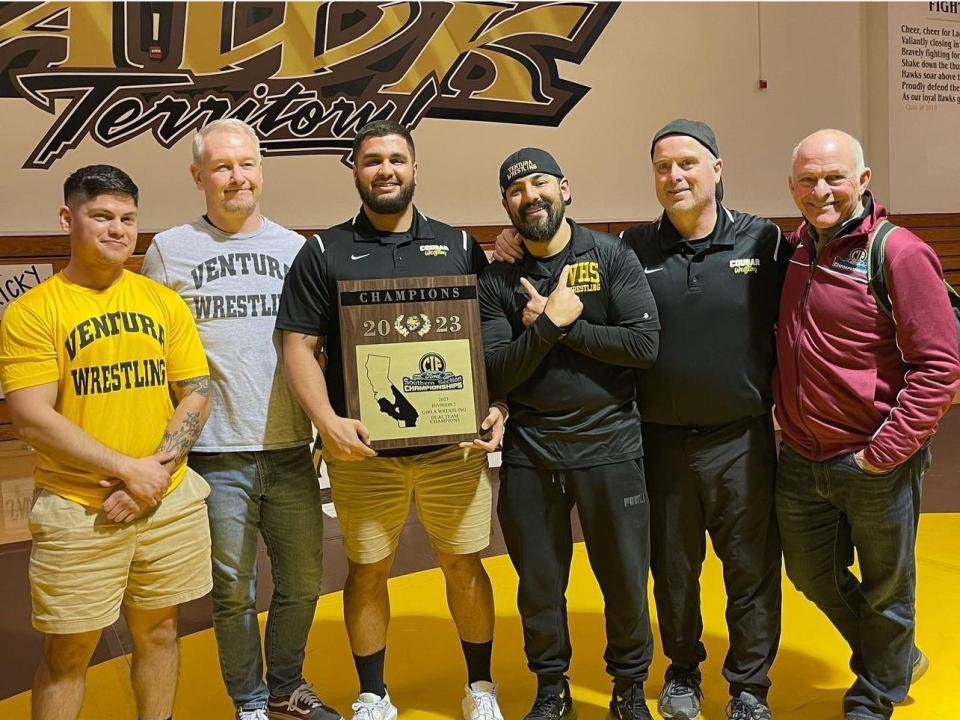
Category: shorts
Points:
column 452, row 497
column 83, row 567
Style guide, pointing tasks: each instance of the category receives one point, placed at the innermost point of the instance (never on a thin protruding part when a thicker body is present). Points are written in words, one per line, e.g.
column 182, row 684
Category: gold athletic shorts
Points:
column 452, row 497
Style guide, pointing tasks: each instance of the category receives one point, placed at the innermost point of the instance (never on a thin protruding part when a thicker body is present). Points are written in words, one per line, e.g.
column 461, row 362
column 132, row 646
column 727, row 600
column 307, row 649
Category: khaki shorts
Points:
column 83, row 566
column 452, row 496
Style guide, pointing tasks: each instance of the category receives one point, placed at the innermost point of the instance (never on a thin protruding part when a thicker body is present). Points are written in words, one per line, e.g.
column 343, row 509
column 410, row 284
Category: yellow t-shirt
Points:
column 112, row 353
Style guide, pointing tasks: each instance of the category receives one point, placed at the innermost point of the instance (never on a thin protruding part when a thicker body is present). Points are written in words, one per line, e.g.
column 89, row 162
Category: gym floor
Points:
column 425, row 670
column 424, row 666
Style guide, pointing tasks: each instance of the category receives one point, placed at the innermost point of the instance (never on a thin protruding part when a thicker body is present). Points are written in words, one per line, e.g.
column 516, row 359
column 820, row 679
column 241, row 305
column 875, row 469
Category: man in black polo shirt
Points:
column 708, row 442
column 389, row 237
column 574, row 436
column 708, row 438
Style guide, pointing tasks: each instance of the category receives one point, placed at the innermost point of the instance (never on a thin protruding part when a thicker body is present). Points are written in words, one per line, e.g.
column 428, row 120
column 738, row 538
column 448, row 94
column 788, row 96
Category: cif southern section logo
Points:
column 433, row 375
column 305, row 75
column 856, row 262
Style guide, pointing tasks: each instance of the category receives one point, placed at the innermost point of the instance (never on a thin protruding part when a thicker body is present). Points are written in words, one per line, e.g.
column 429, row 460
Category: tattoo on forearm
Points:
column 199, row 385
column 182, row 439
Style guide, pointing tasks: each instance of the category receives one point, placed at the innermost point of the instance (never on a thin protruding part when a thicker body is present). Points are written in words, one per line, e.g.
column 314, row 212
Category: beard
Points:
column 542, row 228
column 387, row 204
column 237, row 206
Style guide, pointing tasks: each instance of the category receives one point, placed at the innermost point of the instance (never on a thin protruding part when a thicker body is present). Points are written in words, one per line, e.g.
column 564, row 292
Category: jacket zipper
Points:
column 812, row 266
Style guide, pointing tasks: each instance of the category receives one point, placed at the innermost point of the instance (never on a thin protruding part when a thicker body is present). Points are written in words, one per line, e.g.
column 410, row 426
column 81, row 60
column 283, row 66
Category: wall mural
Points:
column 306, row 75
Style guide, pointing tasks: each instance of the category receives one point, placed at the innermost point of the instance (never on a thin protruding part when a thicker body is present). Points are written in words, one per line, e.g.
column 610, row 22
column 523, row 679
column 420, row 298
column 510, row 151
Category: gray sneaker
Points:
column 681, row 694
column 748, row 707
column 921, row 663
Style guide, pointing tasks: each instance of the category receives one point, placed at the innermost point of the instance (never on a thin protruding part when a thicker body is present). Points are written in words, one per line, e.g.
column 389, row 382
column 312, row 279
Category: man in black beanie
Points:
column 574, row 431
column 709, row 448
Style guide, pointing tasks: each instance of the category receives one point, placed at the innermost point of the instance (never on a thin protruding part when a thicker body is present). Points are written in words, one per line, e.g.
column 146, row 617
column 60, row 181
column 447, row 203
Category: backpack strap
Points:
column 877, row 277
column 876, row 270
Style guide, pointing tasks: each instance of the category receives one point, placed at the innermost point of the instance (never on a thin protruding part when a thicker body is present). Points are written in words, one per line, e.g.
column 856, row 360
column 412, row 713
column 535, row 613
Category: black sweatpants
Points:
column 718, row 480
column 534, row 510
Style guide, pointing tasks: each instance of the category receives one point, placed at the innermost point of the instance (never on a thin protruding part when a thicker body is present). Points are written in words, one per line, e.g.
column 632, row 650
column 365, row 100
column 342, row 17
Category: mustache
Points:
column 535, row 205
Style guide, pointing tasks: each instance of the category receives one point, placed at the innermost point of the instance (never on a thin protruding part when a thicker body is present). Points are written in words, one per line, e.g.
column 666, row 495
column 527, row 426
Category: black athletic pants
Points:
column 718, row 480
column 534, row 510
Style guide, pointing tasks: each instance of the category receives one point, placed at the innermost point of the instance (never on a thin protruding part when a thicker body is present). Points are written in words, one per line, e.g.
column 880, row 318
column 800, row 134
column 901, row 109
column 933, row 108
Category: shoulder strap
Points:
column 876, row 271
column 876, row 275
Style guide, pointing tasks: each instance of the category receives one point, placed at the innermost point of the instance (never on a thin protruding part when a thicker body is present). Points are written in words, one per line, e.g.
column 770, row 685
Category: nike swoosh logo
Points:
column 647, row 271
column 358, row 257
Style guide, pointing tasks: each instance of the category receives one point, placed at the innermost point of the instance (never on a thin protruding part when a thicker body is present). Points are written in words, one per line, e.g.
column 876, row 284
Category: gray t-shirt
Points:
column 232, row 283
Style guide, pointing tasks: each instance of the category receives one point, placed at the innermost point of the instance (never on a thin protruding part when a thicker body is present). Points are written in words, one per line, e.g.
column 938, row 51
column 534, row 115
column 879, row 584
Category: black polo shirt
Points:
column 718, row 300
column 355, row 250
column 572, row 398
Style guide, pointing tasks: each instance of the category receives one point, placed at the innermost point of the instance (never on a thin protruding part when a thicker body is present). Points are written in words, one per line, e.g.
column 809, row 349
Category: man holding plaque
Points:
column 390, row 238
column 574, row 438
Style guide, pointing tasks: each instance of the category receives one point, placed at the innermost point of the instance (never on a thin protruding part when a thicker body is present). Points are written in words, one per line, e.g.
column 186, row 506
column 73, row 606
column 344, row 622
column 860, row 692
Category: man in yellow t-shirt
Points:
column 88, row 361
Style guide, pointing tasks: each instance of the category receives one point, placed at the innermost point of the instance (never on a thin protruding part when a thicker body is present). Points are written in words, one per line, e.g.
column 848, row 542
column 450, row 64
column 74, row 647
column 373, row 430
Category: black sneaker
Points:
column 748, row 707
column 553, row 706
column 301, row 704
column 681, row 694
column 629, row 706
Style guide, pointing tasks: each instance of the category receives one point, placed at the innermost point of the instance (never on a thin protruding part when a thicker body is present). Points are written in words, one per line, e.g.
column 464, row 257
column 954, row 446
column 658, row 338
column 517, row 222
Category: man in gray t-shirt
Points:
column 229, row 266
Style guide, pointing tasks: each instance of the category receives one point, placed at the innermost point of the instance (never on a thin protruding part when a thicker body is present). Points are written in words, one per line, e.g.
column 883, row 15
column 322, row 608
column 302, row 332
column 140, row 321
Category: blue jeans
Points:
column 828, row 509
column 275, row 492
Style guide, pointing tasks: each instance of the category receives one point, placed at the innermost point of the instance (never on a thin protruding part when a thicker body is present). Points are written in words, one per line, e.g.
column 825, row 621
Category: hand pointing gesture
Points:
column 534, row 306
column 563, row 305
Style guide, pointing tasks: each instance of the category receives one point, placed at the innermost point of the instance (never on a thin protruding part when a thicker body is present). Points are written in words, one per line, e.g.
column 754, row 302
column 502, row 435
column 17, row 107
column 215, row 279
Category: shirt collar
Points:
column 364, row 231
column 581, row 239
column 670, row 237
column 847, row 226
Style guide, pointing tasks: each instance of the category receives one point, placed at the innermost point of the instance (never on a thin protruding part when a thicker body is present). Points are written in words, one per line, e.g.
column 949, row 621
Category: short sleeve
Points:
column 305, row 304
column 478, row 258
column 28, row 353
column 185, row 356
column 153, row 266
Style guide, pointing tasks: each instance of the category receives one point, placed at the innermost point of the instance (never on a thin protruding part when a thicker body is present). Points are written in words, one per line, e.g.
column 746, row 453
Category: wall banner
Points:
column 924, row 105
column 306, row 75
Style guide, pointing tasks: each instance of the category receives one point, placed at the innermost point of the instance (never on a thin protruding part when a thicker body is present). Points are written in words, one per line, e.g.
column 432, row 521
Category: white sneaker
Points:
column 255, row 714
column 373, row 707
column 480, row 702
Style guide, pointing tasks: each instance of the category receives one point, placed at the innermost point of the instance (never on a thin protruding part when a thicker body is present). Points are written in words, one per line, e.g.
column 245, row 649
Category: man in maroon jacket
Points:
column 858, row 396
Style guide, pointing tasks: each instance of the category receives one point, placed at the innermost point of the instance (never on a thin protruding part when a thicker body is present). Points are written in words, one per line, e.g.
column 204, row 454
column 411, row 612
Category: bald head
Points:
column 828, row 178
column 833, row 138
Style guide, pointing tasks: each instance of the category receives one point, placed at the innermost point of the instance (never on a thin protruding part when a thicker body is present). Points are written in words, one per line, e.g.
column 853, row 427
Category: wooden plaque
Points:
column 413, row 359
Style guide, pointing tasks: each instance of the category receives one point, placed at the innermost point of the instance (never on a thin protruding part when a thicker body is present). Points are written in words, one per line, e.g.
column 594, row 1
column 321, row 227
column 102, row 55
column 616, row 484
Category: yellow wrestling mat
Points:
column 425, row 670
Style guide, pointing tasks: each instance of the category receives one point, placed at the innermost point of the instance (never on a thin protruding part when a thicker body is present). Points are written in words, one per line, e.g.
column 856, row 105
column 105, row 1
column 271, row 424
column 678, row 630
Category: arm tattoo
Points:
column 199, row 385
column 182, row 439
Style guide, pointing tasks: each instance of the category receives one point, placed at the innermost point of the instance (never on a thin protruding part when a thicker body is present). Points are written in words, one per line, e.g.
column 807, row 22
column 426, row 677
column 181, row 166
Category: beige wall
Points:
column 652, row 63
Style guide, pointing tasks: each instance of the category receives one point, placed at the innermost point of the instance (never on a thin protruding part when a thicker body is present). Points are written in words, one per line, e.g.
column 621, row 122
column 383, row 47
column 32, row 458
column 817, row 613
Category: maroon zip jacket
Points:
column 848, row 376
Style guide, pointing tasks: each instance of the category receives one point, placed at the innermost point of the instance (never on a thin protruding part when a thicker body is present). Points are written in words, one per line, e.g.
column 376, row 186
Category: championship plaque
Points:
column 413, row 359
